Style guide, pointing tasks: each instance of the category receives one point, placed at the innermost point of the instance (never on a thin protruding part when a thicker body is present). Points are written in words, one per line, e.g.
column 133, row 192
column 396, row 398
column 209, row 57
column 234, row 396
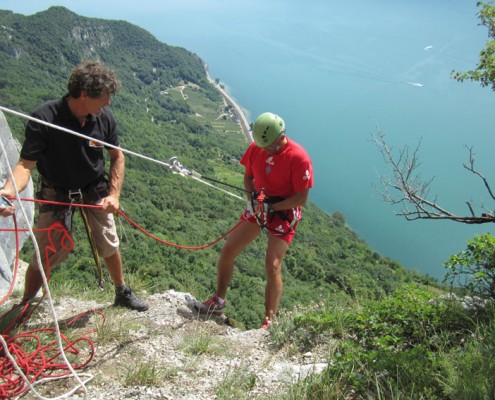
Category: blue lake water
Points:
column 335, row 72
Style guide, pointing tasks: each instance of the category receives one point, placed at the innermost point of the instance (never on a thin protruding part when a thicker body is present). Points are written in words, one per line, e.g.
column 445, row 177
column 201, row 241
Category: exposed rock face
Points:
column 9, row 155
column 6, row 46
column 98, row 36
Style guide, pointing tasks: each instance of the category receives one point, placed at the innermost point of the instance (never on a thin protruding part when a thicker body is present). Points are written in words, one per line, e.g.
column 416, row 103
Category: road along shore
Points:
column 241, row 116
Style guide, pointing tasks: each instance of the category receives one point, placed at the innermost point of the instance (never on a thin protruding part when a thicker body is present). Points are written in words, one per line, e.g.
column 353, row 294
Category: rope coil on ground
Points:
column 26, row 365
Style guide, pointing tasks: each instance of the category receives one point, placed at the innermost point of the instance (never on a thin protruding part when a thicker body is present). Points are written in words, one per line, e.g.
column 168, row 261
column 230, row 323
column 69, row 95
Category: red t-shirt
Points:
column 282, row 174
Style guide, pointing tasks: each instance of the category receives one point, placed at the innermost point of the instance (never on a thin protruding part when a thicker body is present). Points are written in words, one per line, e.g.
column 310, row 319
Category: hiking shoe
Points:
column 266, row 323
column 17, row 316
column 129, row 300
column 210, row 306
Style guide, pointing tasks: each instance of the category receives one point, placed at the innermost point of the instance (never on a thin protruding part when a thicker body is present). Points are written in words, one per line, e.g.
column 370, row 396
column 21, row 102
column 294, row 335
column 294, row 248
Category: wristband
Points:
column 4, row 202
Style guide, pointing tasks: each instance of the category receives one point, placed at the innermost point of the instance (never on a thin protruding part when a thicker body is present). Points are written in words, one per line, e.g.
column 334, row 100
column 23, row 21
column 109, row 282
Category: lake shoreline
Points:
column 241, row 116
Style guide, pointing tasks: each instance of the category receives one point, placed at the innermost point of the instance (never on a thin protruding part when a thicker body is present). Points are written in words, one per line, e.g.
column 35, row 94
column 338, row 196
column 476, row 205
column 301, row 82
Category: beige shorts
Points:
column 56, row 243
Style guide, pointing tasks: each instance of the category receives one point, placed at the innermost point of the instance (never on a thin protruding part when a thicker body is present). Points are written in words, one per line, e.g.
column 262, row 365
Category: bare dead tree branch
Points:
column 406, row 188
column 469, row 165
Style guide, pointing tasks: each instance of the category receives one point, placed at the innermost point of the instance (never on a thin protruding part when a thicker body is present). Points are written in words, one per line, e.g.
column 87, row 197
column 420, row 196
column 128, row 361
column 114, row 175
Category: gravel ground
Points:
column 189, row 357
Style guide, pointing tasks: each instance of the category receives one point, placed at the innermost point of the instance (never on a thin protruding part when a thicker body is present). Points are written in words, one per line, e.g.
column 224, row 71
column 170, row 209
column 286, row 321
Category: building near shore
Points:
column 239, row 113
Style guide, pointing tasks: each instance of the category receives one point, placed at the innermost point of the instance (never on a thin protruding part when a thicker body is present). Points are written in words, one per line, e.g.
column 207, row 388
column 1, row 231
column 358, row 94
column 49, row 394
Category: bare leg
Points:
column 114, row 266
column 32, row 282
column 275, row 253
column 236, row 242
column 123, row 294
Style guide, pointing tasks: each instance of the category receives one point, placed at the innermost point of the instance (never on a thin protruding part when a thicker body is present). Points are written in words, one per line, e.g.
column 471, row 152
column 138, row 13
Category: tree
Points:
column 405, row 186
column 485, row 70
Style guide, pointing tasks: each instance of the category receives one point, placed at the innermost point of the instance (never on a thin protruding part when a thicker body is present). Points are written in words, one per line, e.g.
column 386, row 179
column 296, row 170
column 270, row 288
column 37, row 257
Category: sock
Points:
column 220, row 301
column 119, row 289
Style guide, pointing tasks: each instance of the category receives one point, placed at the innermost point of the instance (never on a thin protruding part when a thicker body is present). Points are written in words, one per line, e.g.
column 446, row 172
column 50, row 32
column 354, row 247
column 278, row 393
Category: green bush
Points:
column 395, row 346
column 474, row 268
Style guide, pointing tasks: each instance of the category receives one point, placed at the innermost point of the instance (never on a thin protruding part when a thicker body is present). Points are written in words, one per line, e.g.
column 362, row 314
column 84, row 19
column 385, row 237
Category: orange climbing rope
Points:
column 38, row 356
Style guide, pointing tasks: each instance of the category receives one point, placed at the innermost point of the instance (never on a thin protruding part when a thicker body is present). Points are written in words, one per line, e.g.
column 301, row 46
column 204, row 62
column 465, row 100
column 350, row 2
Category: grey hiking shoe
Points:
column 17, row 316
column 210, row 306
column 129, row 300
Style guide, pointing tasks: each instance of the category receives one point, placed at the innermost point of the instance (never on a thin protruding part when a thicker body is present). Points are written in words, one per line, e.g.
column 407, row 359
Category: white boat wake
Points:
column 414, row 84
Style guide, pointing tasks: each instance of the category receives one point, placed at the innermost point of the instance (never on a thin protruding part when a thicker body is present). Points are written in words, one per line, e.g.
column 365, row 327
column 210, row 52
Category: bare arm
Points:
column 297, row 199
column 22, row 173
column 248, row 185
column 111, row 203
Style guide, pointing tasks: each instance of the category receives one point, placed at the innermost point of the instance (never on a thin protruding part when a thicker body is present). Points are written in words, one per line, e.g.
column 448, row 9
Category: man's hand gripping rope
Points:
column 259, row 208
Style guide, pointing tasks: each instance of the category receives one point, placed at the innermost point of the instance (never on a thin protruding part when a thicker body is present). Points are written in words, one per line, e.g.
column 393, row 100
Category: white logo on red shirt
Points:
column 307, row 175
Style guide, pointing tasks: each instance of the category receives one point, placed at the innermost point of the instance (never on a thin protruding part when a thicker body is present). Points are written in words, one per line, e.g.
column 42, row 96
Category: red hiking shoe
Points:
column 266, row 323
column 210, row 306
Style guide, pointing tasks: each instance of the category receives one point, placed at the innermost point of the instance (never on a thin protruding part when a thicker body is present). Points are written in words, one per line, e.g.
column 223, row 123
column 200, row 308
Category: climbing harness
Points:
column 261, row 206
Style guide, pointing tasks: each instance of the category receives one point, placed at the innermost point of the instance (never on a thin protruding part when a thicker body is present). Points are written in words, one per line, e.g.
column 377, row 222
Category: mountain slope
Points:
column 166, row 108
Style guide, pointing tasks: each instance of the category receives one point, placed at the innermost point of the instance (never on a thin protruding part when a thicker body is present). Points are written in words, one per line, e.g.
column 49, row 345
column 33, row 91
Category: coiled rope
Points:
column 31, row 358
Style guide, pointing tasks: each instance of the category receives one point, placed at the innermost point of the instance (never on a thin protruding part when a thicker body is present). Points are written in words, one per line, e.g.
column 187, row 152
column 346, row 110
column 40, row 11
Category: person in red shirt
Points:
column 277, row 179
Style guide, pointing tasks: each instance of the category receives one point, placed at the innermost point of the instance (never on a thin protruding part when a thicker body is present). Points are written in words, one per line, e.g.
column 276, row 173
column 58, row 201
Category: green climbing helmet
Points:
column 267, row 128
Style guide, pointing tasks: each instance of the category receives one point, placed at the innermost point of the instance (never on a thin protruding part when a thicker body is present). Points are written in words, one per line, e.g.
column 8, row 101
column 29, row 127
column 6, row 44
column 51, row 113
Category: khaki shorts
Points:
column 55, row 242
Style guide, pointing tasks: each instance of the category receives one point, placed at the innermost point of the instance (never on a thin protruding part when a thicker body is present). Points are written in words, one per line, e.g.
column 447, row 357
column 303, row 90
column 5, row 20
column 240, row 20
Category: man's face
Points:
column 94, row 106
column 275, row 146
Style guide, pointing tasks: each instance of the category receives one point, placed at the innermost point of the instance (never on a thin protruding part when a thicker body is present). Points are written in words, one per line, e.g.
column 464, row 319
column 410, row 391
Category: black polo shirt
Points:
column 64, row 159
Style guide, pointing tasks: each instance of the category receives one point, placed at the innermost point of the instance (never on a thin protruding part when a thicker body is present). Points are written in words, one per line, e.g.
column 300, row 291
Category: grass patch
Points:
column 237, row 384
column 201, row 342
column 148, row 373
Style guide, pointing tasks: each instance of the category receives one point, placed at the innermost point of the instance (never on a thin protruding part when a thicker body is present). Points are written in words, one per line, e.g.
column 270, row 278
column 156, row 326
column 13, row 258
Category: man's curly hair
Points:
column 96, row 79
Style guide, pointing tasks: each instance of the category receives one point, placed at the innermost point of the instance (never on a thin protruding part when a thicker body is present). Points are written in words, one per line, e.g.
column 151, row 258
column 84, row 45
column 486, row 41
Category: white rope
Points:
column 47, row 292
column 176, row 166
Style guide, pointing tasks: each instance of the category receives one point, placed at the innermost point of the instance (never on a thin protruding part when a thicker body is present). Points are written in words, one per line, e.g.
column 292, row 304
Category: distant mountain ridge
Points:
column 50, row 43
column 166, row 108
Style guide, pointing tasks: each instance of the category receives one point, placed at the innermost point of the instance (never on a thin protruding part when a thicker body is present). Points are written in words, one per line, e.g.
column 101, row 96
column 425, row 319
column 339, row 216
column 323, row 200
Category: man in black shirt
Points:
column 72, row 169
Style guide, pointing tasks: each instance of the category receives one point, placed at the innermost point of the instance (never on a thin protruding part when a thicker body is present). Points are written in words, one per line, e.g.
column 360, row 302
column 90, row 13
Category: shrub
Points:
column 393, row 347
column 474, row 268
